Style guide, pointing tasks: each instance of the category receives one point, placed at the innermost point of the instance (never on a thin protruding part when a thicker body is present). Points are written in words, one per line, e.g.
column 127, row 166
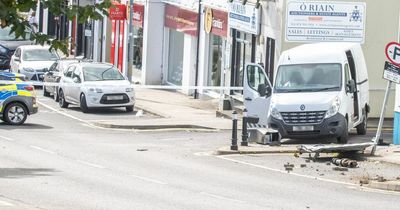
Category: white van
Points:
column 320, row 90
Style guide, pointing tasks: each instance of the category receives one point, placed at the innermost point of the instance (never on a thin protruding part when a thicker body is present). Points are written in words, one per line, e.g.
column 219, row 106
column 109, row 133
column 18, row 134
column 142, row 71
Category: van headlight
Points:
column 275, row 113
column 129, row 89
column 334, row 108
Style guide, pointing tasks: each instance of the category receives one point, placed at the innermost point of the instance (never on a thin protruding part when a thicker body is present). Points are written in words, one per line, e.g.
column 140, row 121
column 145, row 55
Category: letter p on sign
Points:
column 393, row 52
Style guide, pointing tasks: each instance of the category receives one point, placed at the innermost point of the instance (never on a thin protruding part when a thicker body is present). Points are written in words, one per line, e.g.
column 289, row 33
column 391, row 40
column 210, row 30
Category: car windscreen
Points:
column 6, row 36
column 308, row 78
column 39, row 55
column 101, row 73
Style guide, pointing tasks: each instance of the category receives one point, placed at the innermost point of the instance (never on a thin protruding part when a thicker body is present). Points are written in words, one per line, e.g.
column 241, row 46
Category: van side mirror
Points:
column 263, row 90
column 16, row 59
column 351, row 86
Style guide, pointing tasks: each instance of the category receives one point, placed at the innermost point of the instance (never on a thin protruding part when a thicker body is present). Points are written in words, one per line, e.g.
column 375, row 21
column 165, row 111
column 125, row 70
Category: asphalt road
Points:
column 56, row 161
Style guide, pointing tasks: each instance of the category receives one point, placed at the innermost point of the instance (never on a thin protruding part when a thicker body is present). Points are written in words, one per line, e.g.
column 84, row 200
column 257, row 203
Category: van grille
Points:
column 315, row 117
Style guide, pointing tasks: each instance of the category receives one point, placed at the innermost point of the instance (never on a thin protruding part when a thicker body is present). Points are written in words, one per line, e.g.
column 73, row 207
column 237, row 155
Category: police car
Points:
column 17, row 101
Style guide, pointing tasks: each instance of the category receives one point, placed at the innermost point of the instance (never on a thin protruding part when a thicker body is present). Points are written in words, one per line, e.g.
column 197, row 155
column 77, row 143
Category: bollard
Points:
column 234, row 145
column 245, row 135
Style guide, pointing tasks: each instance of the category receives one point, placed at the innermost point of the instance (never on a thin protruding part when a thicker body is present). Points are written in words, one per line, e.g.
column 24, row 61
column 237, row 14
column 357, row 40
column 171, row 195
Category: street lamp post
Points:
column 130, row 39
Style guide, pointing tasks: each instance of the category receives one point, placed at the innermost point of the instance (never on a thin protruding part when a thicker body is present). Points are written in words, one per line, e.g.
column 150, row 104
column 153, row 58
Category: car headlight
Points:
column 28, row 69
column 96, row 90
column 334, row 108
column 129, row 89
column 275, row 113
column 3, row 49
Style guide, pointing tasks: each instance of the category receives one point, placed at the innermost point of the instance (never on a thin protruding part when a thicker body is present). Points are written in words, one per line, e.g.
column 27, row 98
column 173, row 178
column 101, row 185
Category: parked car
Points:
column 94, row 85
column 8, row 43
column 54, row 75
column 320, row 90
column 17, row 101
column 33, row 61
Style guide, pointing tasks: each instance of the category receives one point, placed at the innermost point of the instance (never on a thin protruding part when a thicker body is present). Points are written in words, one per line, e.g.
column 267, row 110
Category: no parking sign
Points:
column 392, row 68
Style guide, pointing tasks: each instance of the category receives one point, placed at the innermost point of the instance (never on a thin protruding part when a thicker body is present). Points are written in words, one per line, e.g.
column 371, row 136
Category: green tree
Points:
column 11, row 15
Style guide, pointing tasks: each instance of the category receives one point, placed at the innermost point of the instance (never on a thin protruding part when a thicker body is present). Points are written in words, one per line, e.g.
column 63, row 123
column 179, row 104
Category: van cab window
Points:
column 309, row 77
column 255, row 77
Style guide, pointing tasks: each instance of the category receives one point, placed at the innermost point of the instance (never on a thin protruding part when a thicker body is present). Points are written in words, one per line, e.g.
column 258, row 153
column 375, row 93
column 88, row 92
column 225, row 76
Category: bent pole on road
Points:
column 381, row 119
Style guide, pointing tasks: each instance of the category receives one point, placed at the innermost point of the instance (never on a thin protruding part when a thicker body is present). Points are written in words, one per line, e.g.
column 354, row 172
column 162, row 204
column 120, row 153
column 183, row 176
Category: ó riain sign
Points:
column 325, row 21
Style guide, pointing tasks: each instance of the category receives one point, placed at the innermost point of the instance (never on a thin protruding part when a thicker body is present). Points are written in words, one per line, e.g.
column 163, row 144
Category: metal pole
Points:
column 382, row 117
column 130, row 44
column 234, row 145
column 197, row 50
column 244, row 130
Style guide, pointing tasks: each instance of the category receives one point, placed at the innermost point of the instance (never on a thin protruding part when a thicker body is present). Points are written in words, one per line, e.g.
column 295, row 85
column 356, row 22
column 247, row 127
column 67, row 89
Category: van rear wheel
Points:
column 362, row 128
column 344, row 138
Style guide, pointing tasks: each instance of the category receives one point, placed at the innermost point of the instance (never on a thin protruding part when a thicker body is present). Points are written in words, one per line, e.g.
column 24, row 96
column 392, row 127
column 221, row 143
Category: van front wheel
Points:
column 362, row 128
column 343, row 139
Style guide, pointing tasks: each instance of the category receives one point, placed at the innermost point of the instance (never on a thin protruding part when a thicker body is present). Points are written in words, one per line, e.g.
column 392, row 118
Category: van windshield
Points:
column 308, row 78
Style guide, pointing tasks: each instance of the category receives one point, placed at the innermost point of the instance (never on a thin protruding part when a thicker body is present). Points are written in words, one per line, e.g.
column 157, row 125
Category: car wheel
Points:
column 62, row 102
column 83, row 104
column 45, row 93
column 56, row 97
column 362, row 128
column 129, row 108
column 15, row 114
column 344, row 138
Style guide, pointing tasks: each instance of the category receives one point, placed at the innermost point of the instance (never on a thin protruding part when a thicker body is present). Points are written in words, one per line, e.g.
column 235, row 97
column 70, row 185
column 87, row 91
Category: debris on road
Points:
column 288, row 167
column 364, row 181
column 303, row 165
column 338, row 168
column 345, row 162
column 142, row 150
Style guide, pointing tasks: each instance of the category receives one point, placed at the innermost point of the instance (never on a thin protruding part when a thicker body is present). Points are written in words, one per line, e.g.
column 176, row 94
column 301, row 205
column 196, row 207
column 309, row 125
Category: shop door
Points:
column 243, row 55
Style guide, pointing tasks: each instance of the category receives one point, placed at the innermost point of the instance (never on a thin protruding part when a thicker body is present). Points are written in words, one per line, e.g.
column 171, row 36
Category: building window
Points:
column 215, row 61
column 175, row 57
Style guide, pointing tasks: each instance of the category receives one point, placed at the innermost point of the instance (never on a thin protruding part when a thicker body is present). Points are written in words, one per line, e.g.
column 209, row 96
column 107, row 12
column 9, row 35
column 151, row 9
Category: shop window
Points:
column 215, row 61
column 175, row 57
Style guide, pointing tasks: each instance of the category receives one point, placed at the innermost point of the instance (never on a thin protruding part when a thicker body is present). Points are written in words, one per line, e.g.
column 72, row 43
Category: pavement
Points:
column 174, row 110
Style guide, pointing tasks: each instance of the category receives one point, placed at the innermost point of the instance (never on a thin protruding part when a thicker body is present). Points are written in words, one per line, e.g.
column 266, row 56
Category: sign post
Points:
column 392, row 74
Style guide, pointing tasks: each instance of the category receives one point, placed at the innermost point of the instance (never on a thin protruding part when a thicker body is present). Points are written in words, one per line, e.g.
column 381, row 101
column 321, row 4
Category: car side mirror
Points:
column 76, row 80
column 351, row 86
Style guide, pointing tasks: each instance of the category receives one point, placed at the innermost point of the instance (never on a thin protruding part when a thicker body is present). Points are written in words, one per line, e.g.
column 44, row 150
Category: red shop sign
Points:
column 216, row 22
column 180, row 19
column 138, row 15
column 117, row 12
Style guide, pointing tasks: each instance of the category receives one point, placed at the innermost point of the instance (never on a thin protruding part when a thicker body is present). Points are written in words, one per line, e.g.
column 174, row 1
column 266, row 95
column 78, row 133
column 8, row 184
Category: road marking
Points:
column 149, row 180
column 6, row 138
column 222, row 197
column 41, row 149
column 368, row 189
column 4, row 203
column 91, row 164
column 285, row 172
column 63, row 113
column 84, row 122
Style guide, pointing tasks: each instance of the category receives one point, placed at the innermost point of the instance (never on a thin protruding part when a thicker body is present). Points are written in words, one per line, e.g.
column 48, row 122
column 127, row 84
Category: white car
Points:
column 95, row 85
column 33, row 61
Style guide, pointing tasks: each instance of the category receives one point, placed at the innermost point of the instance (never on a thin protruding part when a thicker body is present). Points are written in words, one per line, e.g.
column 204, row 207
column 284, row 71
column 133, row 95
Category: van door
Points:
column 257, row 92
column 352, row 67
column 349, row 97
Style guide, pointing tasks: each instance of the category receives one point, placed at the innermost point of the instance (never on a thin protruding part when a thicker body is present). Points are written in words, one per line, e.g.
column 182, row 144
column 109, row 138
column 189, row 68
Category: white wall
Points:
column 153, row 31
column 189, row 62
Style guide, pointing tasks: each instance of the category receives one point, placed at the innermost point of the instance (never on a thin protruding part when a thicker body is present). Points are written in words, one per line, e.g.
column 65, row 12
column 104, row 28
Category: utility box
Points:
column 396, row 126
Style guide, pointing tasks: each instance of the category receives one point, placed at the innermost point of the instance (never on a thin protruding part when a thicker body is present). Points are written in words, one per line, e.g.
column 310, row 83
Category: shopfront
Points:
column 244, row 24
column 138, row 21
column 216, row 28
column 180, row 37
